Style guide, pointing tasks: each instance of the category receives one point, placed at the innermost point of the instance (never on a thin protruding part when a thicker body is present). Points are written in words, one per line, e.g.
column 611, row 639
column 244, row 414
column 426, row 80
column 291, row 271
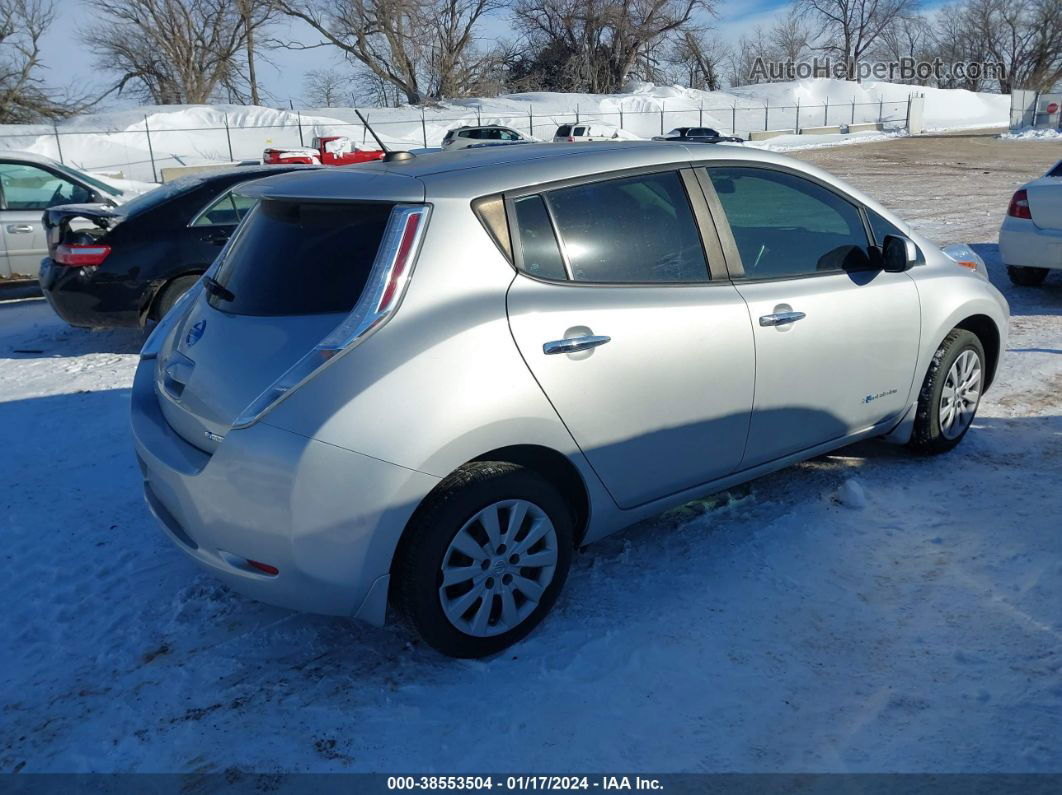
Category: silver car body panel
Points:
column 328, row 478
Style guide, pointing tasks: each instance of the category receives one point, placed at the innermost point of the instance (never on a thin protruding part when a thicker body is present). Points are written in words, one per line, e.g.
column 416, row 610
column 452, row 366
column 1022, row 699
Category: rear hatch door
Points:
column 294, row 270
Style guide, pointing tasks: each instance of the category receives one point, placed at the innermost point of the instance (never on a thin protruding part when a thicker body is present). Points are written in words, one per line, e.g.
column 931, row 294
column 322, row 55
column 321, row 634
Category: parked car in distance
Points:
column 327, row 150
column 125, row 265
column 488, row 362
column 1030, row 239
column 29, row 185
column 698, row 135
column 581, row 133
column 463, row 137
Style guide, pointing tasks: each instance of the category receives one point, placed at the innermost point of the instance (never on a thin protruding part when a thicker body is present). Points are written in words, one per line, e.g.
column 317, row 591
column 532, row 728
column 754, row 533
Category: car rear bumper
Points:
column 327, row 518
column 85, row 298
column 1022, row 242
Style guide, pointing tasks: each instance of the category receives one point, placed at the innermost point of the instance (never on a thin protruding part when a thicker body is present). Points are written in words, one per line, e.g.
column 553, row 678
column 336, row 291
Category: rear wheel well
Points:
column 556, row 468
column 151, row 312
column 985, row 329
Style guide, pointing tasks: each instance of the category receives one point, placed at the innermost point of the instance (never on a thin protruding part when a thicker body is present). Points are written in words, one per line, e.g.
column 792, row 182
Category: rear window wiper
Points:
column 218, row 290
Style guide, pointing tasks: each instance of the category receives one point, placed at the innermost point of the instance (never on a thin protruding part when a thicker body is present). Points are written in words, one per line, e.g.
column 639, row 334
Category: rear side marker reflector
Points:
column 265, row 568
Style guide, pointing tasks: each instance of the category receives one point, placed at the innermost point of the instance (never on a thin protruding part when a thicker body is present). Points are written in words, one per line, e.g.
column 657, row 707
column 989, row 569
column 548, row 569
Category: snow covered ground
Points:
column 866, row 611
column 194, row 134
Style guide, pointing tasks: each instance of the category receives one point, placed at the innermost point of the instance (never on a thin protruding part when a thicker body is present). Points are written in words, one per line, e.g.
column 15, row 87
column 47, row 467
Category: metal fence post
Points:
column 907, row 118
column 700, row 115
column 853, row 111
column 661, row 117
column 796, row 126
column 531, row 120
column 228, row 137
column 826, row 113
column 576, row 112
column 479, row 118
column 151, row 151
column 298, row 118
column 766, row 113
column 423, row 128
column 881, row 109
column 58, row 143
column 733, row 119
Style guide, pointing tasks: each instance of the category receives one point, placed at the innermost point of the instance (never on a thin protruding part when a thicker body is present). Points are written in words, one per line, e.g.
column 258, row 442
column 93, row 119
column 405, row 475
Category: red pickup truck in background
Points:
column 330, row 150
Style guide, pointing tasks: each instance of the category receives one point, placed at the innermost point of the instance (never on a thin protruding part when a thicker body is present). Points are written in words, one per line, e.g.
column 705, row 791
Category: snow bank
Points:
column 195, row 134
column 1033, row 135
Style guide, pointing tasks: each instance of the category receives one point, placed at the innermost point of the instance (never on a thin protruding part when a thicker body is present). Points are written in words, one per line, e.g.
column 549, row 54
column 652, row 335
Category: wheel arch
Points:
column 985, row 329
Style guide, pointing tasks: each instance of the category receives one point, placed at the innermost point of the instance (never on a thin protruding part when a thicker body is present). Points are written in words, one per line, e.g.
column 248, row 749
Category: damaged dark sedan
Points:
column 127, row 265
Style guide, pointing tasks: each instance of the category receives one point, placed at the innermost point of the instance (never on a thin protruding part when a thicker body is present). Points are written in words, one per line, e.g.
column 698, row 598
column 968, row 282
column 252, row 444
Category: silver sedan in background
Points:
column 426, row 381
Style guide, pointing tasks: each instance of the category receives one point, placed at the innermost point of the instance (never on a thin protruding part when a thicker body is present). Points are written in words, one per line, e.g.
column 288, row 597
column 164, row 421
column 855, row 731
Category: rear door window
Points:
column 301, row 258
column 635, row 230
column 786, row 226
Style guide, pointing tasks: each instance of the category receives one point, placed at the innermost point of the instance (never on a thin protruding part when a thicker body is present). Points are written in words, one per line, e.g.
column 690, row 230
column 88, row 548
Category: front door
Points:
column 27, row 191
column 836, row 338
column 648, row 362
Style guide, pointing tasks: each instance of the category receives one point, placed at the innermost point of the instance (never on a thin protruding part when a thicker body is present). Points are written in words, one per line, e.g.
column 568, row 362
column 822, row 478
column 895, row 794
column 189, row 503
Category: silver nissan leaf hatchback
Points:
column 426, row 381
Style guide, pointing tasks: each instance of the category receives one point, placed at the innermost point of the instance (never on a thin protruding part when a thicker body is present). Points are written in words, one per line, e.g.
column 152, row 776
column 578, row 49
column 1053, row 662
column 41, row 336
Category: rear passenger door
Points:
column 836, row 336
column 647, row 359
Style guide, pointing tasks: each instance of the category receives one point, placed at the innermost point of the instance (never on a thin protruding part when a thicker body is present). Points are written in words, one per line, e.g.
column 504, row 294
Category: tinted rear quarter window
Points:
column 301, row 258
column 539, row 252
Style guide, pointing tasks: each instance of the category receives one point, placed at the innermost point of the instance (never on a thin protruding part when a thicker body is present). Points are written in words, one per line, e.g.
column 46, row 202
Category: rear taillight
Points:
column 383, row 292
column 77, row 255
column 571, row 139
column 271, row 156
column 1019, row 205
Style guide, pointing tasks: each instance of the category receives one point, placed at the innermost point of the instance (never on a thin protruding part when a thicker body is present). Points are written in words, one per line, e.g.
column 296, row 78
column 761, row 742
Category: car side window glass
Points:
column 27, row 187
column 579, row 131
column 221, row 212
column 243, row 205
column 633, row 230
column 539, row 253
column 786, row 226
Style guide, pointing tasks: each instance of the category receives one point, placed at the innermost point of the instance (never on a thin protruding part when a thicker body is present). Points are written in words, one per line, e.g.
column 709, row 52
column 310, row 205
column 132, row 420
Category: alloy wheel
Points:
column 961, row 393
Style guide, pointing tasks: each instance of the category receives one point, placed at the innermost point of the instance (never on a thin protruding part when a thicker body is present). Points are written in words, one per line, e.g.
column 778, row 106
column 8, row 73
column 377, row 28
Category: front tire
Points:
column 950, row 393
column 483, row 559
column 1026, row 277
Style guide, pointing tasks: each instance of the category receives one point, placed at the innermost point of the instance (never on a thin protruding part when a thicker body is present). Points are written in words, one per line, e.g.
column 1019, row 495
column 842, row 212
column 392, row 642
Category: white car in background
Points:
column 29, row 185
column 486, row 135
column 1030, row 240
column 578, row 133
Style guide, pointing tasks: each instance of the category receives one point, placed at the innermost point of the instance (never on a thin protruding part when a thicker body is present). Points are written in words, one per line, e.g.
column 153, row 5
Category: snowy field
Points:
column 116, row 141
column 865, row 611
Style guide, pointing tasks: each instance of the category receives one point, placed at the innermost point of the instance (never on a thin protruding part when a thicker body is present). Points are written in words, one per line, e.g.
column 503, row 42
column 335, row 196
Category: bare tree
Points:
column 790, row 38
column 254, row 15
column 24, row 96
column 425, row 48
column 599, row 42
column 748, row 58
column 697, row 60
column 327, row 88
column 1023, row 35
column 849, row 28
column 172, row 51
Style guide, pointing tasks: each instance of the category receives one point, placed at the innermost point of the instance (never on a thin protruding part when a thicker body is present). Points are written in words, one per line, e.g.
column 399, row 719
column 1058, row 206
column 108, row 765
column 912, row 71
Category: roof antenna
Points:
column 372, row 132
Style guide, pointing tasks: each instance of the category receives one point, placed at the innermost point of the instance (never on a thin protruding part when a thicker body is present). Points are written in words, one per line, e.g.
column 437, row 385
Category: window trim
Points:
column 716, row 273
column 733, row 257
column 231, row 193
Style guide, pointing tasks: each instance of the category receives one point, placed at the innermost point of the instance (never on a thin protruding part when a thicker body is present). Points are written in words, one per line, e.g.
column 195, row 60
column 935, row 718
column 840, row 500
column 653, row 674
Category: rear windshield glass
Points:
column 296, row 258
column 564, row 129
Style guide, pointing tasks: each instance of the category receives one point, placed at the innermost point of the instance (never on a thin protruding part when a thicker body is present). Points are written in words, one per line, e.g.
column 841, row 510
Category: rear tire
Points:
column 169, row 294
column 501, row 536
column 1026, row 277
column 950, row 393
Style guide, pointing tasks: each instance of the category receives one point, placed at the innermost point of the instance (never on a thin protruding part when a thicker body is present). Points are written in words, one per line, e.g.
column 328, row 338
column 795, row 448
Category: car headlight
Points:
column 962, row 254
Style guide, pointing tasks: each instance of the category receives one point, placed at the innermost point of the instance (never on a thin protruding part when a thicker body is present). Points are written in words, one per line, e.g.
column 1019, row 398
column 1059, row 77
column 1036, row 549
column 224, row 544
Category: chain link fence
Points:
column 142, row 151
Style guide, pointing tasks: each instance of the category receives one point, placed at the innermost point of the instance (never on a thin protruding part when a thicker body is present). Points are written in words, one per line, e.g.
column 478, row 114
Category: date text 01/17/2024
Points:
column 523, row 783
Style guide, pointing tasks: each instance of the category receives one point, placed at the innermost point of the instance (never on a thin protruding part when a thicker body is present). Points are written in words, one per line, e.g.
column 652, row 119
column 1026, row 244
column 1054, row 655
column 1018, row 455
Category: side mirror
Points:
column 898, row 253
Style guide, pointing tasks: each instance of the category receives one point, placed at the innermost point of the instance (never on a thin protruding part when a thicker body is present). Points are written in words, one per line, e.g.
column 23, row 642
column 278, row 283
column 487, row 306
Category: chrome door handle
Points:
column 17, row 228
column 781, row 318
column 573, row 344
